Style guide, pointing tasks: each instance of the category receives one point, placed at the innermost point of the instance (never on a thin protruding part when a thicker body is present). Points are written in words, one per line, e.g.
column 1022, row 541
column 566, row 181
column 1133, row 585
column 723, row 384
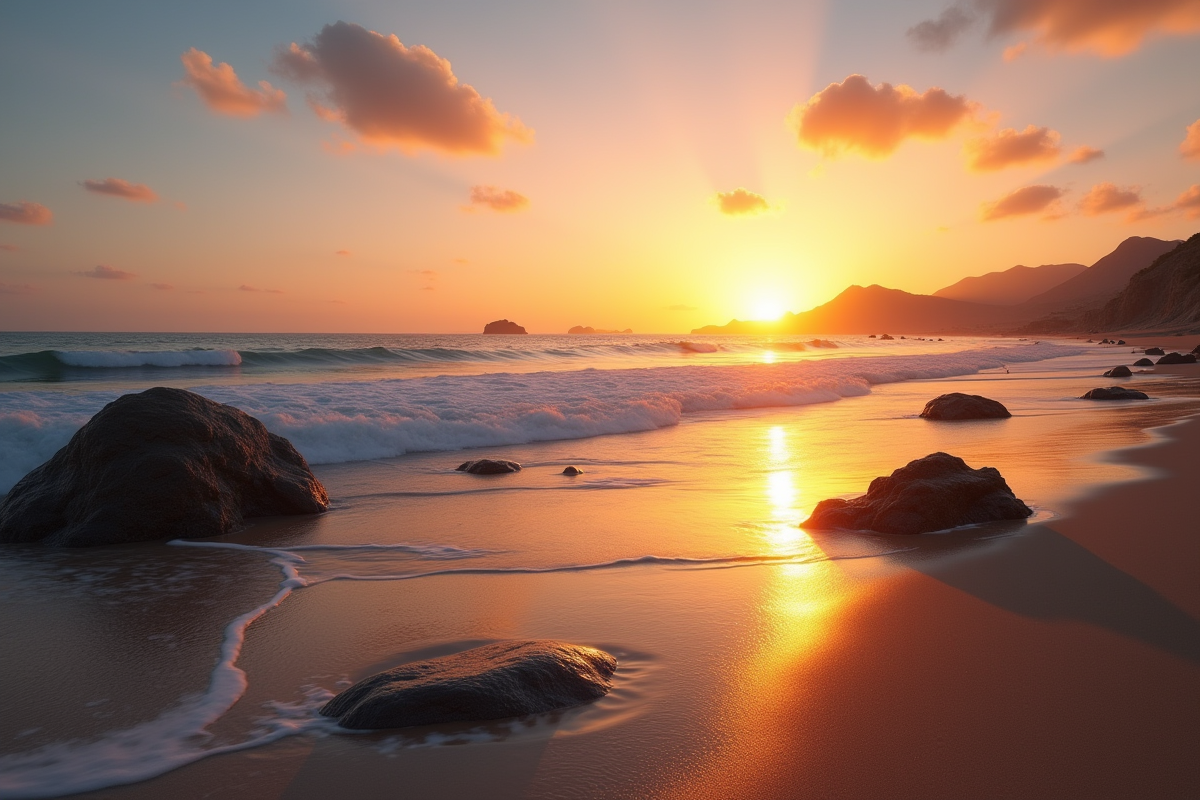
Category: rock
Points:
column 1196, row 350
column 1115, row 393
column 932, row 493
column 161, row 464
column 503, row 326
column 488, row 466
column 1143, row 362
column 1120, row 341
column 958, row 406
column 1118, row 372
column 496, row 681
column 572, row 471
column 1155, row 351
column 1176, row 358
column 872, row 336
column 886, row 336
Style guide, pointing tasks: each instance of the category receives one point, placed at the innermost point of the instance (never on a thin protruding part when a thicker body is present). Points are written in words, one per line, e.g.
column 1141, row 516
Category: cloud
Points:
column 115, row 187
column 106, row 273
column 1084, row 154
column 166, row 287
column 681, row 307
column 873, row 120
column 1107, row 197
column 1008, row 148
column 937, row 35
column 9, row 248
column 1026, row 200
column 1106, row 27
column 741, row 202
column 16, row 288
column 503, row 200
column 26, row 213
column 396, row 96
column 343, row 253
column 461, row 260
column 223, row 92
column 248, row 288
column 1189, row 201
column 1190, row 148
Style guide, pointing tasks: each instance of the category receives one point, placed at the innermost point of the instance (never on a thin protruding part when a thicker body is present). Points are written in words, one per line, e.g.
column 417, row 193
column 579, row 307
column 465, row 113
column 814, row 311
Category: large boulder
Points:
column 1177, row 358
column 503, row 326
column 496, row 681
column 1118, row 372
column 162, row 464
column 932, row 493
column 1115, row 393
column 1143, row 362
column 959, row 406
column 489, row 466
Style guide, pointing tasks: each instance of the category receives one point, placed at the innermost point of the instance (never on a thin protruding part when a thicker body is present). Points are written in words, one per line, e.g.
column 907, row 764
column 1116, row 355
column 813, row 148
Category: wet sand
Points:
column 1057, row 659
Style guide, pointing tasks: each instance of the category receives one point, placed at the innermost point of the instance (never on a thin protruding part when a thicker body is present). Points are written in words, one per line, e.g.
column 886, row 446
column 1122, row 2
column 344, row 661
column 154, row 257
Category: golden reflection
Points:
column 768, row 357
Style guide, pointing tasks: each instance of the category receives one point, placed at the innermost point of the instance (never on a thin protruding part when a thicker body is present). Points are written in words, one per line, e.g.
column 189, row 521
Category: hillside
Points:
column 1102, row 280
column 1011, row 286
column 1164, row 295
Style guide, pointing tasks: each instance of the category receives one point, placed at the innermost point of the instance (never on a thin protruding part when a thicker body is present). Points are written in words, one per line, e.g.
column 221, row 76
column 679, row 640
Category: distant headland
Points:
column 503, row 326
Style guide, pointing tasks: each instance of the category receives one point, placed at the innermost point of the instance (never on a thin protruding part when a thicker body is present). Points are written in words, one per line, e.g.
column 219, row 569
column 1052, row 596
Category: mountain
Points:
column 875, row 309
column 1165, row 294
column 1104, row 279
column 1012, row 286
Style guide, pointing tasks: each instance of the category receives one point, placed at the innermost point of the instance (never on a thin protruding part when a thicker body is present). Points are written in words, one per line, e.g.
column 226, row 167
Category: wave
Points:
column 52, row 362
column 333, row 422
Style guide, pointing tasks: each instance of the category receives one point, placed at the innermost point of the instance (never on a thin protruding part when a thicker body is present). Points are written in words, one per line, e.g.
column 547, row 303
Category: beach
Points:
column 1052, row 658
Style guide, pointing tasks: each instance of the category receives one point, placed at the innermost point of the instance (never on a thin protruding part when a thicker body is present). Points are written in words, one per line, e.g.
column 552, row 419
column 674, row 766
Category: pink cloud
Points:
column 1190, row 148
column 1021, row 202
column 854, row 116
column 16, row 288
column 1009, row 148
column 9, row 248
column 115, row 187
column 741, row 202
column 343, row 253
column 248, row 288
column 1084, row 154
column 396, row 96
column 26, row 213
column 506, row 201
column 1189, row 201
column 223, row 92
column 107, row 273
column 166, row 287
column 1108, row 197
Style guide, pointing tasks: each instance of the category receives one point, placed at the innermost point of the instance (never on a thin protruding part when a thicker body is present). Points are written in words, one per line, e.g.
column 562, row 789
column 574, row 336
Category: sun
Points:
column 767, row 309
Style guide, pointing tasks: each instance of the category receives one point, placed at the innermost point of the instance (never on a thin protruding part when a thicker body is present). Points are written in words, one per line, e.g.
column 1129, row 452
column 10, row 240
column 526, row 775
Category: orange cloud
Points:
column 16, row 288
column 1084, row 154
column 9, row 248
column 26, row 213
column 106, row 273
column 1026, row 200
column 505, row 201
column 1189, row 201
column 397, row 96
column 1008, row 148
column 342, row 253
column 854, row 116
column 1190, row 148
column 115, row 187
column 223, row 92
column 1107, row 197
column 741, row 202
column 248, row 288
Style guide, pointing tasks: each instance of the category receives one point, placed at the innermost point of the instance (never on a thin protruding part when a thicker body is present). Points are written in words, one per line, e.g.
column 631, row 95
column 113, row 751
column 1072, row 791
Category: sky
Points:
column 430, row 167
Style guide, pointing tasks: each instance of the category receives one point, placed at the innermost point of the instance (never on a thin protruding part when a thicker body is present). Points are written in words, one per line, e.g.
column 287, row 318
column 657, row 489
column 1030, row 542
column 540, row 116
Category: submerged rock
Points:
column 488, row 466
column 887, row 336
column 1118, row 372
column 161, row 464
column 1115, row 393
column 1177, row 358
column 959, row 406
column 503, row 326
column 496, row 681
column 932, row 493
column 1143, row 362
column 572, row 471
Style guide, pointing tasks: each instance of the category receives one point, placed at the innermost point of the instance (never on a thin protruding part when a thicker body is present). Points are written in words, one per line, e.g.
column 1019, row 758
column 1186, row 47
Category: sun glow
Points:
column 767, row 309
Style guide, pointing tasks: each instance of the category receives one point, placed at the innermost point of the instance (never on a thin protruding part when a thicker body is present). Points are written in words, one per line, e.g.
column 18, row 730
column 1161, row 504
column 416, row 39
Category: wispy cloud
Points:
column 115, row 187
column 24, row 213
column 1084, row 155
column 106, row 273
column 1021, row 202
column 16, row 288
column 1189, row 201
column 938, row 35
column 741, row 202
column 493, row 198
column 1190, row 147
column 343, row 253
column 9, row 248
column 1010, row 148
column 223, row 92
column 245, row 287
column 166, row 287
column 1104, row 198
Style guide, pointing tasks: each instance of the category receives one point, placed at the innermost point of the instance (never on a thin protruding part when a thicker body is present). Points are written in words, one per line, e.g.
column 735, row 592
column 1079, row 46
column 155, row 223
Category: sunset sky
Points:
column 658, row 166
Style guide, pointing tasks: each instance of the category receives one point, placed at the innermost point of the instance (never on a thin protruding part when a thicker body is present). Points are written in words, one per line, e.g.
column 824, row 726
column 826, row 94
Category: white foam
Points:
column 335, row 422
column 148, row 358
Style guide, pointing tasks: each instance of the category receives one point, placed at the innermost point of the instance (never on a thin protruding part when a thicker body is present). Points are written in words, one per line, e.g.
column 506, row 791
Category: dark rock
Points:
column 1120, row 341
column 1115, row 393
column 162, row 464
column 1118, row 372
column 1196, row 350
column 1176, row 358
column 1143, row 362
column 872, row 336
column 572, row 471
column 1155, row 351
column 503, row 326
column 932, row 493
column 958, row 406
column 886, row 336
column 488, row 466
column 496, row 681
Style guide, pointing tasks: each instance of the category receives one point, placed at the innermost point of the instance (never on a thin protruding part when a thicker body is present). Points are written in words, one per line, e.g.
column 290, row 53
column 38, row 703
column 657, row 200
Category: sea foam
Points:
column 334, row 422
